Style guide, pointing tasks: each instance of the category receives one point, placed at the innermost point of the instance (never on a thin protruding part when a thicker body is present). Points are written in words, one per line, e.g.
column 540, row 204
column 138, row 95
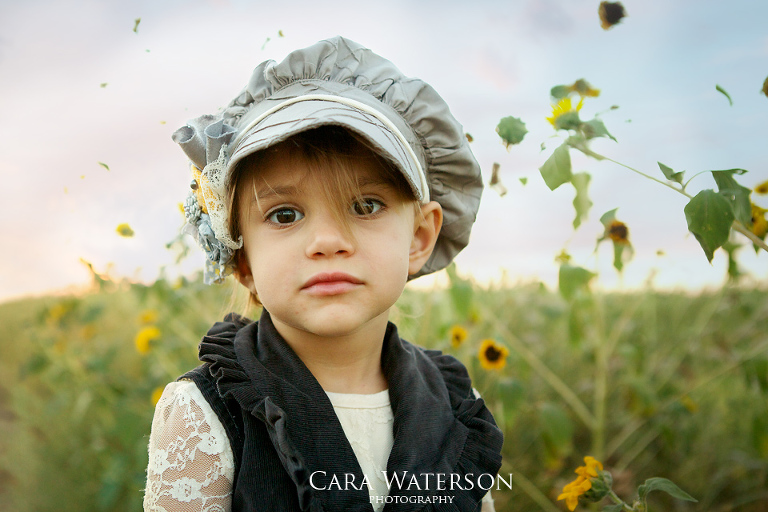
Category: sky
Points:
column 80, row 87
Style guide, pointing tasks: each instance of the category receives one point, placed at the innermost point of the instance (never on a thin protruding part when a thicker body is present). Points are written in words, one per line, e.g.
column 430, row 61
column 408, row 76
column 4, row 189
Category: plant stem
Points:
column 618, row 500
column 737, row 225
column 601, row 380
column 548, row 375
column 641, row 173
column 534, row 493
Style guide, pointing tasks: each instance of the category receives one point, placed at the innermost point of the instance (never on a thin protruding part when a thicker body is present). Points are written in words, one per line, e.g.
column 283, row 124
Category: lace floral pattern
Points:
column 191, row 467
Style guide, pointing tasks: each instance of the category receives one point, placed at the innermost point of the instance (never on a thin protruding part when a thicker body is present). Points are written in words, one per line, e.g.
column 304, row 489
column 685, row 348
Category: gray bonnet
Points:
column 334, row 82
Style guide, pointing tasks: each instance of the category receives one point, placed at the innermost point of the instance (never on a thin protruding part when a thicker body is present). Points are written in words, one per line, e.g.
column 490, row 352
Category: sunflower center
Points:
column 618, row 232
column 492, row 354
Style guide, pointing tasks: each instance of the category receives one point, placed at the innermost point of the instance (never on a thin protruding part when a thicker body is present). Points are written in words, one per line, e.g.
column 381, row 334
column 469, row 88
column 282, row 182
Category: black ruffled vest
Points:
column 283, row 429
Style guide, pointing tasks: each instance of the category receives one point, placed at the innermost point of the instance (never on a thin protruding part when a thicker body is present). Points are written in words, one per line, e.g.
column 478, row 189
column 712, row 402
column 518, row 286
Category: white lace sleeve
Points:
column 191, row 466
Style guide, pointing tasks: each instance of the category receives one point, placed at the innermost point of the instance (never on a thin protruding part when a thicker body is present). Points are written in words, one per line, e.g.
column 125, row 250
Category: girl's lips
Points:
column 331, row 283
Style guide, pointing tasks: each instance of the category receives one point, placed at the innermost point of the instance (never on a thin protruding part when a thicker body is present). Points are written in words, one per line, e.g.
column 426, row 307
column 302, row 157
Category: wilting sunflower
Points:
column 618, row 232
column 610, row 14
column 492, row 355
column 583, row 88
column 564, row 116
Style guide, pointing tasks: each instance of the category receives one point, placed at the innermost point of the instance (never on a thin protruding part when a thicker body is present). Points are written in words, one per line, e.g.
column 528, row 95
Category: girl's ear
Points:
column 426, row 228
column 243, row 271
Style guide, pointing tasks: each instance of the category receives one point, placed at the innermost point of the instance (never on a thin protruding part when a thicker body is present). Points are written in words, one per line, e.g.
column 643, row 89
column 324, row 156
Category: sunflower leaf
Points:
column 559, row 92
column 595, row 128
column 734, row 272
column 736, row 194
column 670, row 174
column 608, row 217
column 572, row 280
column 662, row 484
column 709, row 216
column 557, row 169
column 621, row 252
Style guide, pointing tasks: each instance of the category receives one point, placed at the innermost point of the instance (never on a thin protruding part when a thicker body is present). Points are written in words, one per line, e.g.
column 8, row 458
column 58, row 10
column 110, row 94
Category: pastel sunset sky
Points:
column 78, row 87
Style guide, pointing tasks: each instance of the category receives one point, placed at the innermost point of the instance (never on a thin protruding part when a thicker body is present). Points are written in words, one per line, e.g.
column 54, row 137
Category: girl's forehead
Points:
column 297, row 172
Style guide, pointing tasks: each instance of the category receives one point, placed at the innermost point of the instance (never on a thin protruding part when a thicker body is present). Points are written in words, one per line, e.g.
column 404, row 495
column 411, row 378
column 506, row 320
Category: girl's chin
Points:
column 331, row 324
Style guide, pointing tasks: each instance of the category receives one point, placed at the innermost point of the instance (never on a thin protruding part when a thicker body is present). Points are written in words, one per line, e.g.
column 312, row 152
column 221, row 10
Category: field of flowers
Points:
column 651, row 384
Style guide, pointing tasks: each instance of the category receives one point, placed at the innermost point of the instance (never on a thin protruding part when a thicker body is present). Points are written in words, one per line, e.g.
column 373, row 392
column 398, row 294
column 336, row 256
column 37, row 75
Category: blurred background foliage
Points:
column 652, row 383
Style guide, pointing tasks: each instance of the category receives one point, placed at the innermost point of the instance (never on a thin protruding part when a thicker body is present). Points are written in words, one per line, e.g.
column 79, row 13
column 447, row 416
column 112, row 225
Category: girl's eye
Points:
column 285, row 216
column 366, row 207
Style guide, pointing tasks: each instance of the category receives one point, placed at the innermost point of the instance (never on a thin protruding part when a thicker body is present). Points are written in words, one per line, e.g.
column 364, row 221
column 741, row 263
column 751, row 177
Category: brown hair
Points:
column 332, row 149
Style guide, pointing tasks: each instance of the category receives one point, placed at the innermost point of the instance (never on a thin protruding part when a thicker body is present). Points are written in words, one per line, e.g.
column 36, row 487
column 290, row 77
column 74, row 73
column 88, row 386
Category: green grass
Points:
column 652, row 384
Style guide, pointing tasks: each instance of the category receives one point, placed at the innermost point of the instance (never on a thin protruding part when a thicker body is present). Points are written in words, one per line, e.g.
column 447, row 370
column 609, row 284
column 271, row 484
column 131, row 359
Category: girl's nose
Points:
column 329, row 238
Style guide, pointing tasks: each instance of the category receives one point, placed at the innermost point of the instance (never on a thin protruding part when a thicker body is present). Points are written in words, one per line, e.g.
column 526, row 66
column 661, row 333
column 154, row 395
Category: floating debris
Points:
column 610, row 13
column 125, row 230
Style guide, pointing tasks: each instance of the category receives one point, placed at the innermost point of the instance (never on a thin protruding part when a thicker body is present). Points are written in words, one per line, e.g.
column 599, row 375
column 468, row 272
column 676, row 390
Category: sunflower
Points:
column 618, row 232
column 762, row 188
column 564, row 116
column 583, row 88
column 573, row 490
column 492, row 355
column 458, row 336
column 759, row 222
column 156, row 394
column 144, row 337
column 588, row 474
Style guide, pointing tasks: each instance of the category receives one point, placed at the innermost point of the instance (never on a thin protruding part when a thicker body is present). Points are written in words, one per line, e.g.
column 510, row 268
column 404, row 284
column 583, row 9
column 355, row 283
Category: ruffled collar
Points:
column 439, row 426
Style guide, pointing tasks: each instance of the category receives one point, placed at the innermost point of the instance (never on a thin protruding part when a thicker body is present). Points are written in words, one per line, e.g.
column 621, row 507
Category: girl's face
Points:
column 314, row 274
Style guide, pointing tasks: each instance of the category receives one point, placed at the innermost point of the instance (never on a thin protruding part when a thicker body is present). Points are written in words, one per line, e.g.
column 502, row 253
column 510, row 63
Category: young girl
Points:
column 323, row 187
